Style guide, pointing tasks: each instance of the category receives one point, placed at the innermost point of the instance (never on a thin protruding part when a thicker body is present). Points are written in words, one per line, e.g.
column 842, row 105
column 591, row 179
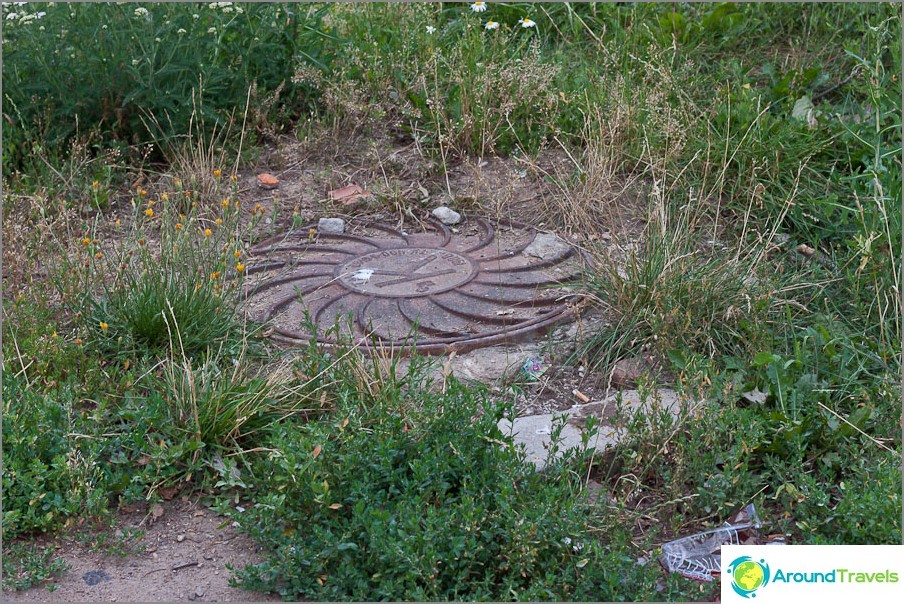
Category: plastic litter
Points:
column 534, row 367
column 698, row 556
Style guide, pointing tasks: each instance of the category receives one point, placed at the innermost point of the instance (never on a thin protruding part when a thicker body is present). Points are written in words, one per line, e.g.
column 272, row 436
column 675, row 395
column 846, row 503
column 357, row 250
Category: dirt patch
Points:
column 560, row 388
column 181, row 556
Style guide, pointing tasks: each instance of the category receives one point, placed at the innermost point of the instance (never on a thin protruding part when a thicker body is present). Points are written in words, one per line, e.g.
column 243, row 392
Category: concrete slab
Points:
column 535, row 431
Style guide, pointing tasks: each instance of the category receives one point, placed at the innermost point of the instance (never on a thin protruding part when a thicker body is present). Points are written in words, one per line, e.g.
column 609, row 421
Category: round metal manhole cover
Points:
column 436, row 291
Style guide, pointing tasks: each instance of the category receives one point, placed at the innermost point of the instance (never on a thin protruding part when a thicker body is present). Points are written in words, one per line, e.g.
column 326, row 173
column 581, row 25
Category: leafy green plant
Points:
column 72, row 68
column 25, row 566
column 403, row 494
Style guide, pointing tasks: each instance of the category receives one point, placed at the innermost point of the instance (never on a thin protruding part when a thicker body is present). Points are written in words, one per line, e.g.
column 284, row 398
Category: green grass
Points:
column 764, row 139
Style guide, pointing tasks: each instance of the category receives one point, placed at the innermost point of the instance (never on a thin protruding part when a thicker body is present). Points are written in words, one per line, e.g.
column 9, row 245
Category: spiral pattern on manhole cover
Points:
column 437, row 291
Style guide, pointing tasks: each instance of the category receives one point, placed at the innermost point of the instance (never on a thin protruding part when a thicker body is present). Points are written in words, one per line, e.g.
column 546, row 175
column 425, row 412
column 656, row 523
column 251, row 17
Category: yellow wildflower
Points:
column 164, row 197
column 149, row 212
column 103, row 325
column 217, row 172
column 86, row 241
column 225, row 203
column 207, row 232
column 95, row 184
column 178, row 226
column 238, row 253
column 239, row 267
column 219, row 221
column 215, row 275
column 142, row 192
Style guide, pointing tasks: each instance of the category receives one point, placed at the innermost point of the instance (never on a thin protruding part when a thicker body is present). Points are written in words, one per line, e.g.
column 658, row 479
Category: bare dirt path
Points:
column 182, row 556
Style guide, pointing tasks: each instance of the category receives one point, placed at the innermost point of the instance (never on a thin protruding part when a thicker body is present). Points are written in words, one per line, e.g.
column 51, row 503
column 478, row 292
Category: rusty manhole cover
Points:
column 438, row 291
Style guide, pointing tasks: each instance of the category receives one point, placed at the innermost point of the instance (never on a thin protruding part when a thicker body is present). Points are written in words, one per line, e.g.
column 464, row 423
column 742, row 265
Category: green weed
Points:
column 25, row 566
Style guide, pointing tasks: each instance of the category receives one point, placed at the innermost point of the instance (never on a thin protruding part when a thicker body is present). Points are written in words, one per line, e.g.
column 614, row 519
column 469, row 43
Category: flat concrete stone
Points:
column 535, row 431
column 447, row 215
column 546, row 246
column 331, row 226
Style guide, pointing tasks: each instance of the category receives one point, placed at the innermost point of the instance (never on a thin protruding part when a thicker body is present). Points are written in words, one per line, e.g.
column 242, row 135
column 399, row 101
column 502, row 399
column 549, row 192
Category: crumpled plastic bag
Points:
column 699, row 557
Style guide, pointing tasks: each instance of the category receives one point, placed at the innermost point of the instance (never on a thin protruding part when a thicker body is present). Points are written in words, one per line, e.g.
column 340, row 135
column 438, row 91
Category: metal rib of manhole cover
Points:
column 437, row 291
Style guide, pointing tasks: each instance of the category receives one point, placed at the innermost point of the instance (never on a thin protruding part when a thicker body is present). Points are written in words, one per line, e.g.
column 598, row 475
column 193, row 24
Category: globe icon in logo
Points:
column 748, row 575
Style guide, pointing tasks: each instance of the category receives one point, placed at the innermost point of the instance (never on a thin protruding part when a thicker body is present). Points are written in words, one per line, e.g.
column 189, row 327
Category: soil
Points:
column 180, row 556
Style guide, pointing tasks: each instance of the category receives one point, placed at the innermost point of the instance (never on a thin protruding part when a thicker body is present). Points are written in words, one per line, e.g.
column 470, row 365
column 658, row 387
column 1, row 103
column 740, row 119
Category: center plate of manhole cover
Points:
column 437, row 291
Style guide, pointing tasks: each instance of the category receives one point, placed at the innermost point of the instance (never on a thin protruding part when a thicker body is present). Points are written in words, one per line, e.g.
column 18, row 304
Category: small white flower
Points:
column 526, row 23
column 227, row 9
column 157, row 40
column 135, row 62
column 104, row 27
column 42, row 28
column 195, row 16
column 40, row 15
column 212, row 30
column 491, row 25
column 431, row 29
column 180, row 31
column 239, row 10
column 19, row 3
column 141, row 12
column 11, row 16
column 479, row 7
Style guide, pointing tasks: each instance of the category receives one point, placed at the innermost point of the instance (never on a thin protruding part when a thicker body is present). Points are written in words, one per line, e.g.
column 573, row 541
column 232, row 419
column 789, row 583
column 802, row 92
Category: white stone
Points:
column 546, row 246
column 331, row 226
column 535, row 431
column 447, row 216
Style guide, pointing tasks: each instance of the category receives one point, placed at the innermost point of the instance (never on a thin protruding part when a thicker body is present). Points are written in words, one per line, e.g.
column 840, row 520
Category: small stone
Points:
column 626, row 372
column 546, row 246
column 267, row 181
column 447, row 216
column 805, row 249
column 331, row 226
column 93, row 577
column 180, row 538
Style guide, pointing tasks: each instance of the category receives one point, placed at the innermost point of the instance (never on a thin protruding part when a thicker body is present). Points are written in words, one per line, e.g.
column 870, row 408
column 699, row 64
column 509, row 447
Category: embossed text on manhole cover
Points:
column 436, row 290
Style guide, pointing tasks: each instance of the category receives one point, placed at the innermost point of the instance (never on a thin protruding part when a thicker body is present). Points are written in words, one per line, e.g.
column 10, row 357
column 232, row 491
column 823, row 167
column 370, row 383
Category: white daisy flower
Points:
column 479, row 7
column 431, row 29
column 526, row 23
column 180, row 31
column 212, row 30
column 491, row 25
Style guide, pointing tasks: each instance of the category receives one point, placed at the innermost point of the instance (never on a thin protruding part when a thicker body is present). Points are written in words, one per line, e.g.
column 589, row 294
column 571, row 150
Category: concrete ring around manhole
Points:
column 436, row 291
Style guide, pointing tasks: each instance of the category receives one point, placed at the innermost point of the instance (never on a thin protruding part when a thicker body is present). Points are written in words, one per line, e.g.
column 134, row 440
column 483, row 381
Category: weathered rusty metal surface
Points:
column 436, row 291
